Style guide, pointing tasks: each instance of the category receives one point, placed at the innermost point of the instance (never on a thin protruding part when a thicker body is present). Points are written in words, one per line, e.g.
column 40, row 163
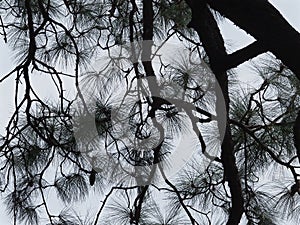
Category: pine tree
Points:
column 115, row 139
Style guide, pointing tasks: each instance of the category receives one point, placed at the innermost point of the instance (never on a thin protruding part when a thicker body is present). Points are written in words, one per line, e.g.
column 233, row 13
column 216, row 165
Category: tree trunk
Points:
column 264, row 22
column 206, row 27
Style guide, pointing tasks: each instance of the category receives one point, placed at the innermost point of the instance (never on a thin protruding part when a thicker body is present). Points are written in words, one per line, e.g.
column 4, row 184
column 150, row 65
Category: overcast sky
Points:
column 235, row 37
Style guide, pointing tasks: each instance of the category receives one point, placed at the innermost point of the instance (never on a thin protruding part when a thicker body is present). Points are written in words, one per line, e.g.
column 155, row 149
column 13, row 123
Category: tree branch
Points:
column 240, row 56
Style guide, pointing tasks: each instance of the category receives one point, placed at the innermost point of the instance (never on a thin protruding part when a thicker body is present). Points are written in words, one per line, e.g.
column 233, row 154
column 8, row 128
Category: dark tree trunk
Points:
column 206, row 27
column 273, row 33
column 264, row 22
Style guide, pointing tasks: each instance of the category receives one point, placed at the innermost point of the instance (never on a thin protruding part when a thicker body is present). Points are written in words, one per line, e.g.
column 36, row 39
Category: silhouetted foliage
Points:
column 111, row 143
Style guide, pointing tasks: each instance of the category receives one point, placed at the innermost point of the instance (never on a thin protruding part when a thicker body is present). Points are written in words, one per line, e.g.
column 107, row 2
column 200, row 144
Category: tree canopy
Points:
column 160, row 130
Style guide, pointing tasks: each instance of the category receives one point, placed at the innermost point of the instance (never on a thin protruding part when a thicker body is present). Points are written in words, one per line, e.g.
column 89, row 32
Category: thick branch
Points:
column 264, row 22
column 148, row 19
column 240, row 56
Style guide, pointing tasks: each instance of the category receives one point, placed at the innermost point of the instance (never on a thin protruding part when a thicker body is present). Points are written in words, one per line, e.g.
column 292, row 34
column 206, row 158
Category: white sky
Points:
column 233, row 36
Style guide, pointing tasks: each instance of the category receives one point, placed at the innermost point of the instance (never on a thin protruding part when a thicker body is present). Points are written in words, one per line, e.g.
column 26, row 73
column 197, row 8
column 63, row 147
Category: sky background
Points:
column 234, row 37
